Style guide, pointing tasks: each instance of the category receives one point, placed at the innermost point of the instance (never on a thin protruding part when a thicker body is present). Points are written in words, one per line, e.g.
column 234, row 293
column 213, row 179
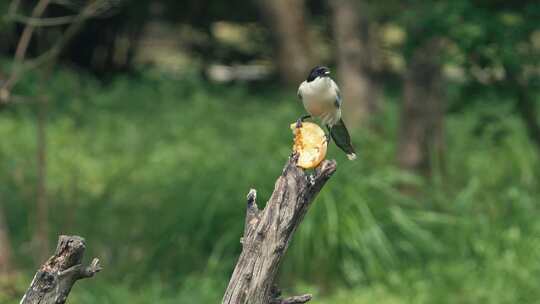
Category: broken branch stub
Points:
column 55, row 278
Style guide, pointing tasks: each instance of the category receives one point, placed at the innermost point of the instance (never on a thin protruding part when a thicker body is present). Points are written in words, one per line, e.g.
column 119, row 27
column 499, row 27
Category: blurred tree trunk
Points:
column 5, row 246
column 286, row 19
column 41, row 231
column 421, row 136
column 355, row 58
column 525, row 104
column 527, row 110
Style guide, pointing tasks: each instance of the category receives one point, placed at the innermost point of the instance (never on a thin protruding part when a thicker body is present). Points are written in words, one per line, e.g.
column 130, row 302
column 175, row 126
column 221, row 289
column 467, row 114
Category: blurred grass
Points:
column 153, row 172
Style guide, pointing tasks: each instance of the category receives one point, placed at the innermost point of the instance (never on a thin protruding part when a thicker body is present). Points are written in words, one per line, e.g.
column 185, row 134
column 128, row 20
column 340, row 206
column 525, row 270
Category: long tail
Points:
column 342, row 138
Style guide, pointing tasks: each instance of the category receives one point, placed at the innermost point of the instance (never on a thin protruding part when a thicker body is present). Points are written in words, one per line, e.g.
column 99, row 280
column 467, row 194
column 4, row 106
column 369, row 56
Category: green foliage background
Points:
column 153, row 172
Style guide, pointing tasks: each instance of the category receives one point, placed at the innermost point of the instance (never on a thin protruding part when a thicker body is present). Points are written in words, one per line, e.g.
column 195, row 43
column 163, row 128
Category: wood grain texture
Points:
column 268, row 232
column 54, row 279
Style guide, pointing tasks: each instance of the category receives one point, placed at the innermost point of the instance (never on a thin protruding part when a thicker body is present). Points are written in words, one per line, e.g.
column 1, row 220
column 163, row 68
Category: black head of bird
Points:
column 318, row 71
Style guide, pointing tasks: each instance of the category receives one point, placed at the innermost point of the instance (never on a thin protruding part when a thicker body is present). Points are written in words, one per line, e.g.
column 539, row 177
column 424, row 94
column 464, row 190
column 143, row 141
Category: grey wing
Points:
column 301, row 88
column 339, row 100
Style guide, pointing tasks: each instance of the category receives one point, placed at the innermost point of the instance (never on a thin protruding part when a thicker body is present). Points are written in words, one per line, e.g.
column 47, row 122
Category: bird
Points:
column 321, row 98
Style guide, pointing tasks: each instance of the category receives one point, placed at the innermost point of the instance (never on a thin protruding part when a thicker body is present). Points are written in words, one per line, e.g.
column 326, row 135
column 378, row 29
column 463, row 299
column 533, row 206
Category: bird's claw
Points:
column 299, row 123
column 301, row 120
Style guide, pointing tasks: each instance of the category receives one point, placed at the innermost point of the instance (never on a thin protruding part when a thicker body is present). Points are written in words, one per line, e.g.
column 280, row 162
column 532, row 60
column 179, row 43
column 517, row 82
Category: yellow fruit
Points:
column 310, row 143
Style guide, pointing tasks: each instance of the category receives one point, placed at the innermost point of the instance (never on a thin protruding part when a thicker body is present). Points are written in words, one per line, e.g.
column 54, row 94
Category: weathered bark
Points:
column 355, row 48
column 287, row 21
column 421, row 132
column 267, row 234
column 54, row 279
column 5, row 245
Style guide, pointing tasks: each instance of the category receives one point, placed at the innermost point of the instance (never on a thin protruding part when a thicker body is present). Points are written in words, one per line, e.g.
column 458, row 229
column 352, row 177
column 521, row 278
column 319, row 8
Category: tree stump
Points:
column 267, row 234
column 54, row 279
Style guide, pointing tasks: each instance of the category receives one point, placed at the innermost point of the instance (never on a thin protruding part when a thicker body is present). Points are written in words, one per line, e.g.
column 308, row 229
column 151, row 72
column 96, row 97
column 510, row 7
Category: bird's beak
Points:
column 326, row 73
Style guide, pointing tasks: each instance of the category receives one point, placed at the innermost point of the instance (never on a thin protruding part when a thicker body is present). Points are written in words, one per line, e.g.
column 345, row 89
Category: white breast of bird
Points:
column 319, row 98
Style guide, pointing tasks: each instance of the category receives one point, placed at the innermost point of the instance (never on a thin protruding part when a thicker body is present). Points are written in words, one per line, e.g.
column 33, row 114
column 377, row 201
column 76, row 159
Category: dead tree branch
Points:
column 42, row 22
column 54, row 279
column 22, row 65
column 26, row 35
column 267, row 234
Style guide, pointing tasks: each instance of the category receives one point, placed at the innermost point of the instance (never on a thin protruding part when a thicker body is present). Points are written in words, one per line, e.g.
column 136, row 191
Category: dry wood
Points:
column 54, row 279
column 267, row 234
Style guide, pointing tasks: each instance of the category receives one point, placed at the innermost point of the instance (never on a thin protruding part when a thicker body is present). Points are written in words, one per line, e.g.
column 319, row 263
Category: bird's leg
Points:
column 301, row 120
column 328, row 136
